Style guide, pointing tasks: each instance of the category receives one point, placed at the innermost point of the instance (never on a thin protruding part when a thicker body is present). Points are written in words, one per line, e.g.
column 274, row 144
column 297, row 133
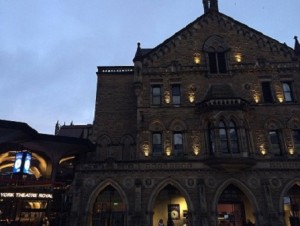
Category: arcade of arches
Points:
column 233, row 208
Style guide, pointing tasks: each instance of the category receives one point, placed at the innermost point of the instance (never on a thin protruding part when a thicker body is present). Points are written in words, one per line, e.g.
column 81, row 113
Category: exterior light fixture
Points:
column 291, row 150
column 238, row 57
column 191, row 97
column 167, row 97
column 196, row 149
column 256, row 96
column 262, row 150
column 146, row 150
column 168, row 151
column 197, row 58
column 191, row 94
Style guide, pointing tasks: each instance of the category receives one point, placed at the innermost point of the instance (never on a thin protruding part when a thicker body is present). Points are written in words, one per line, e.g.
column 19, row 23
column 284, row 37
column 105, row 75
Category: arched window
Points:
column 287, row 91
column 223, row 138
column 233, row 137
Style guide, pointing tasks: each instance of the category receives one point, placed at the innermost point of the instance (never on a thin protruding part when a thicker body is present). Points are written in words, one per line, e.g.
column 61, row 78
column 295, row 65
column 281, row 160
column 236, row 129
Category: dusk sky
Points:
column 50, row 50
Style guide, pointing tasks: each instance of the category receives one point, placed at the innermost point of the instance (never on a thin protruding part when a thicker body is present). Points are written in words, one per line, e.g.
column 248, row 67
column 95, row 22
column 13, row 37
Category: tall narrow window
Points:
column 178, row 143
column 233, row 137
column 223, row 138
column 296, row 138
column 176, row 94
column 211, row 137
column 156, row 143
column 217, row 63
column 275, row 148
column 156, row 95
column 267, row 92
column 287, row 91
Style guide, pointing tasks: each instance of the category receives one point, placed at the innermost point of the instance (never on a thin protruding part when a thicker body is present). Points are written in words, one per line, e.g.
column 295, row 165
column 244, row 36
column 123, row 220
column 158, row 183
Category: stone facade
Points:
column 211, row 116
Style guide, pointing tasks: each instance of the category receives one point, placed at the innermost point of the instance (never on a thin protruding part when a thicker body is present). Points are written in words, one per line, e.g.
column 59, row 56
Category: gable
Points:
column 197, row 37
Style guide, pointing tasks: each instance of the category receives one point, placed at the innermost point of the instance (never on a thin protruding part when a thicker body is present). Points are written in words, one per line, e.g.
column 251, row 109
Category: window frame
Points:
column 175, row 94
column 275, row 151
column 287, row 92
column 296, row 142
column 217, row 63
column 157, row 148
column 156, row 99
column 266, row 88
column 178, row 148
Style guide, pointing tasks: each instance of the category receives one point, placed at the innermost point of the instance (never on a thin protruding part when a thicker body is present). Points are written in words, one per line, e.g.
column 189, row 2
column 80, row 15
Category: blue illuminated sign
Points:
column 18, row 162
column 27, row 162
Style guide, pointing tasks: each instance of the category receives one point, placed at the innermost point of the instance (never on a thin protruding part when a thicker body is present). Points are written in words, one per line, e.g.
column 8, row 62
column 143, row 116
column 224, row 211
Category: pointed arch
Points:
column 97, row 190
column 161, row 186
column 286, row 188
column 244, row 188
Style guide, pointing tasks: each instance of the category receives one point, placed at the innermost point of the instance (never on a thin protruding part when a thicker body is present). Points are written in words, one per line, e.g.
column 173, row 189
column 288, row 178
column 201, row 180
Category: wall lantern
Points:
column 197, row 58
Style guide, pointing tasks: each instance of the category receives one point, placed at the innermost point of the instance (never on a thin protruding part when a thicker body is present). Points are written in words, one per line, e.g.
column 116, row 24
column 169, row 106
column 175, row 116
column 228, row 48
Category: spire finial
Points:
column 138, row 53
column 210, row 5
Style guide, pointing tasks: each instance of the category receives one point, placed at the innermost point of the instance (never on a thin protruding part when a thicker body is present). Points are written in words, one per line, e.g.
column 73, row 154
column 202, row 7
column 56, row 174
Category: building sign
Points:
column 22, row 162
column 27, row 162
column 26, row 195
column 18, row 162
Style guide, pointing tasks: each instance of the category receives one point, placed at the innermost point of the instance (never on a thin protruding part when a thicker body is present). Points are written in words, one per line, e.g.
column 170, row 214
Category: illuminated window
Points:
column 287, row 92
column 267, row 92
column 178, row 143
column 156, row 95
column 275, row 146
column 217, row 63
column 156, row 143
column 176, row 94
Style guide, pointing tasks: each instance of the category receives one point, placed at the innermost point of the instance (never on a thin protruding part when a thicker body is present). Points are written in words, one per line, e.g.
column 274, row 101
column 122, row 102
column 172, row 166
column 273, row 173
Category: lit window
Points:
column 157, row 143
column 267, row 92
column 176, row 94
column 287, row 91
column 178, row 143
column 217, row 63
column 296, row 138
column 275, row 148
column 156, row 95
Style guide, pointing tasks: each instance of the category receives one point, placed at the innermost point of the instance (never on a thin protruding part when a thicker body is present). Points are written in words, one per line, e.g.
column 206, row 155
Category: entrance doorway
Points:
column 109, row 209
column 170, row 207
column 291, row 204
column 234, row 208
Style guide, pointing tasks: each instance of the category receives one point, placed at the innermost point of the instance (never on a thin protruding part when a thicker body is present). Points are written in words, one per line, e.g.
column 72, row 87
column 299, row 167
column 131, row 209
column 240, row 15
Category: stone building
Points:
column 203, row 129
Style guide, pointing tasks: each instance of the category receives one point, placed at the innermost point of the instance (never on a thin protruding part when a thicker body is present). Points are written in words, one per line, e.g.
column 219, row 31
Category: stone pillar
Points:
column 203, row 204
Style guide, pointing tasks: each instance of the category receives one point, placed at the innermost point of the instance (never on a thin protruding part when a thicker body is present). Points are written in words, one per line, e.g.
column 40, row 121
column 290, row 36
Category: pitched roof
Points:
column 212, row 14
